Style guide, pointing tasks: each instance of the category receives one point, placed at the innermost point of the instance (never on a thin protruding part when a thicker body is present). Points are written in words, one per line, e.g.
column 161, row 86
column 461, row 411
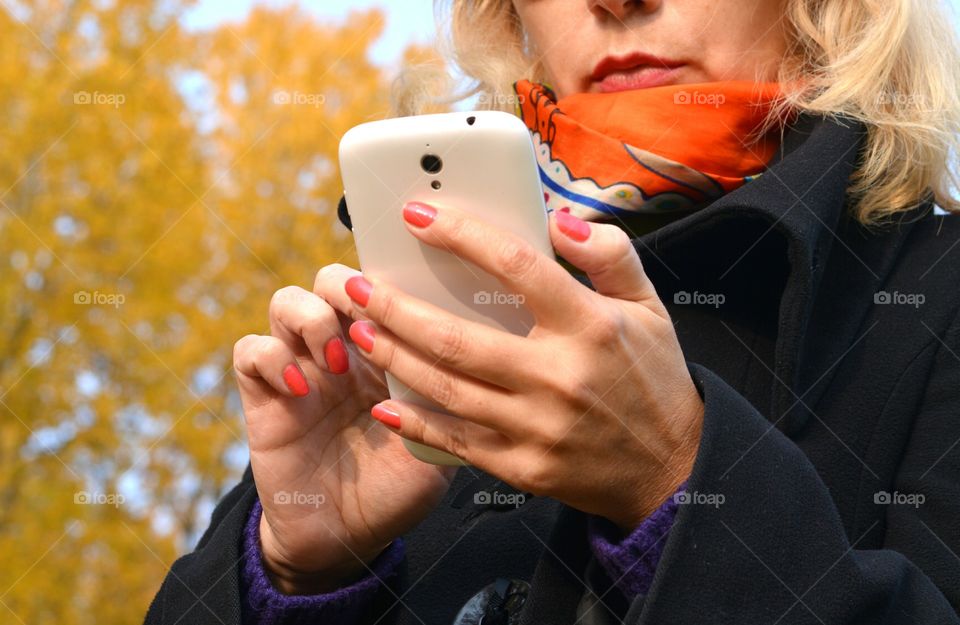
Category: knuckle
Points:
column 456, row 441
column 449, row 344
column 660, row 329
column 515, row 258
column 621, row 244
column 387, row 307
column 267, row 348
column 419, row 431
column 574, row 390
column 276, row 300
column 606, row 327
column 321, row 322
column 324, row 274
column 457, row 230
column 281, row 299
column 387, row 354
column 547, row 435
column 440, row 388
column 539, row 477
column 241, row 348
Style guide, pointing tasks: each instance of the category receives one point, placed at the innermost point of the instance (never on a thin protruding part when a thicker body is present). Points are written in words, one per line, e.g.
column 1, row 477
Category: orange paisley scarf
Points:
column 655, row 150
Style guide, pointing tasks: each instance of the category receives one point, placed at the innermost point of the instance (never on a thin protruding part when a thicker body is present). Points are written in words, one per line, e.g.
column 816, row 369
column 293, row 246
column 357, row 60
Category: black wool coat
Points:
column 826, row 488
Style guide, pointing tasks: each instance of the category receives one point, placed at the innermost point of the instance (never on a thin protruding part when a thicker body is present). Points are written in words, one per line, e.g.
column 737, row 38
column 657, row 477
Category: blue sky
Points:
column 408, row 21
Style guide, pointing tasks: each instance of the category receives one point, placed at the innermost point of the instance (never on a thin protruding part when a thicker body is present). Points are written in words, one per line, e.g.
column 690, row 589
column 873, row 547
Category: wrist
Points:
column 654, row 498
column 655, row 491
column 294, row 579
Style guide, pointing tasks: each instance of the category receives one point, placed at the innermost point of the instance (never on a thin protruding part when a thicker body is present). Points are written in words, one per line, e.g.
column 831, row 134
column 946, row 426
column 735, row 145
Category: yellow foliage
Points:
column 156, row 186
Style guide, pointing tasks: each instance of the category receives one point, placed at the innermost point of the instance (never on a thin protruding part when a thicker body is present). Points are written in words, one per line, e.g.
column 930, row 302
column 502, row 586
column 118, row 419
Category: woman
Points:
column 739, row 401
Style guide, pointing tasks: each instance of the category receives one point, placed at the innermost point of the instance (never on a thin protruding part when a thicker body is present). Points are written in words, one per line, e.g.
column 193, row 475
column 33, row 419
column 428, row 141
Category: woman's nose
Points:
column 620, row 9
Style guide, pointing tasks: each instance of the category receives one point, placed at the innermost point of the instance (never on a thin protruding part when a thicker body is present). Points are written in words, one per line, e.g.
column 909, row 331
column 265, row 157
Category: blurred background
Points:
column 165, row 166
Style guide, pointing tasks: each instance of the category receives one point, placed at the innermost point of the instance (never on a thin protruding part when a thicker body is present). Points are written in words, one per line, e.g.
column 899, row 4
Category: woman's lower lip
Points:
column 638, row 78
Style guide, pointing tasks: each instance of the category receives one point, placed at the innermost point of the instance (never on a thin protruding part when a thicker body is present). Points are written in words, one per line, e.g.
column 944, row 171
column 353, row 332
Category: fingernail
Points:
column 362, row 333
column 419, row 214
column 295, row 380
column 386, row 415
column 358, row 288
column 336, row 355
column 574, row 227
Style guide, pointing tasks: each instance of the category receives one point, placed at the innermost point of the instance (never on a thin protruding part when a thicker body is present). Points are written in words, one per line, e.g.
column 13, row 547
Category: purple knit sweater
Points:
column 265, row 605
column 630, row 563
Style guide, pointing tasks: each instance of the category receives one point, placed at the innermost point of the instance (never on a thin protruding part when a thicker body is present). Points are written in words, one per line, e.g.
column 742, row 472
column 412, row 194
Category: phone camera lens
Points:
column 431, row 163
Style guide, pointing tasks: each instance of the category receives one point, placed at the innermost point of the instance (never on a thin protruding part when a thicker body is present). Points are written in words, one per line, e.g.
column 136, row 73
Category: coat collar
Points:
column 803, row 197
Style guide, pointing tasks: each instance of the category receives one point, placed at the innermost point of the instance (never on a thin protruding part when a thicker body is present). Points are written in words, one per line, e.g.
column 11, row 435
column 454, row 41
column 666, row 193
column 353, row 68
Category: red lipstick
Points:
column 633, row 71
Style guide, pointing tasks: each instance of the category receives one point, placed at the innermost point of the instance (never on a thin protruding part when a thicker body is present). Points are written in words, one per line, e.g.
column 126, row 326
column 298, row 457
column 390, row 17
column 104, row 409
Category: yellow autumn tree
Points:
column 286, row 91
column 156, row 186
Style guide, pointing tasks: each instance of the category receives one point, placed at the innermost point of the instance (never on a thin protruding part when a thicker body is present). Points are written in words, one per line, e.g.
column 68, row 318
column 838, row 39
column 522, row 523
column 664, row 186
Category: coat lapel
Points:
column 801, row 196
column 556, row 587
column 843, row 301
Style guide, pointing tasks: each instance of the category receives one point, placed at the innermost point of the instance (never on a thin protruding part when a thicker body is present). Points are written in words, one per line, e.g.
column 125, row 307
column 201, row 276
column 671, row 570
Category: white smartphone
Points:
column 481, row 162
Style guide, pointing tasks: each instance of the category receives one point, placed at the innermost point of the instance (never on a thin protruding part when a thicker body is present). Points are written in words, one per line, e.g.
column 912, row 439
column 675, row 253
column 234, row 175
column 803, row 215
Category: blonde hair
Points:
column 893, row 64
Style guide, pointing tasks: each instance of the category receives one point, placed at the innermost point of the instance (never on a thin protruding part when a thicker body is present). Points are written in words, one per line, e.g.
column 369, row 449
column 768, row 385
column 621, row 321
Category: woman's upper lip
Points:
column 611, row 64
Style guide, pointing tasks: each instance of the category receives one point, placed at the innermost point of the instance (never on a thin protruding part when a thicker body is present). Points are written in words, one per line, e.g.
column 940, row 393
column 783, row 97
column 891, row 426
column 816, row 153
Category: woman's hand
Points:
column 336, row 488
column 595, row 407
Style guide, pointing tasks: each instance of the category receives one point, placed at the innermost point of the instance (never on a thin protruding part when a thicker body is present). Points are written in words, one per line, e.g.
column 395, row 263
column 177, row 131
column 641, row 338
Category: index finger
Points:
column 553, row 296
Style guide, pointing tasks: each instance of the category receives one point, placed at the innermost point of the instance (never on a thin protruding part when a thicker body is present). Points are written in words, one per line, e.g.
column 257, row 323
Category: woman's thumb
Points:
column 605, row 253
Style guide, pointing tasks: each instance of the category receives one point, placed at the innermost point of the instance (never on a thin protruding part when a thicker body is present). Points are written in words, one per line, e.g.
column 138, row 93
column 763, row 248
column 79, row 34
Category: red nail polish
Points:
column 295, row 380
column 419, row 214
column 358, row 288
column 336, row 356
column 362, row 333
column 386, row 415
column 574, row 227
